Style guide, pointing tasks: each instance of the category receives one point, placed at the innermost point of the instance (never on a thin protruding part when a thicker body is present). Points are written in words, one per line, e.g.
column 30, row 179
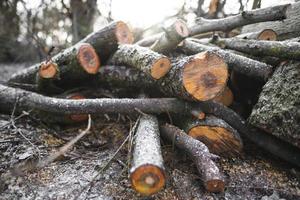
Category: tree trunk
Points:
column 235, row 62
column 288, row 28
column 142, row 58
column 246, row 17
column 215, row 133
column 211, row 176
column 277, row 110
column 147, row 173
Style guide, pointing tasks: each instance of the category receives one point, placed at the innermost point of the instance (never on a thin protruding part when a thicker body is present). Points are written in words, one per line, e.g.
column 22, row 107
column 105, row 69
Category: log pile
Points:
column 208, row 87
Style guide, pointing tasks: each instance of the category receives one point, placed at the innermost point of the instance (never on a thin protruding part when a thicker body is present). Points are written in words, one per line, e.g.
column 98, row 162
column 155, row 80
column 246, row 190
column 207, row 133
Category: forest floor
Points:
column 24, row 140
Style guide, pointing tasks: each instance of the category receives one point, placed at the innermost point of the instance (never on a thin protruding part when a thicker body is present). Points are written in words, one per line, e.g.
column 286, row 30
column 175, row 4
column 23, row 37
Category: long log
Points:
column 246, row 17
column 211, row 176
column 278, row 108
column 286, row 29
column 236, row 62
column 147, row 173
column 142, row 58
column 73, row 63
column 280, row 49
column 105, row 41
column 215, row 133
column 29, row 100
column 266, row 34
column 171, row 37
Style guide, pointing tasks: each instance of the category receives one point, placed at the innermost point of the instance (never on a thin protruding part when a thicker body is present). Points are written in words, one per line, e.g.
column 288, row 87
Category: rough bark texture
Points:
column 266, row 34
column 73, row 63
column 278, row 108
column 147, row 173
column 285, row 50
column 288, row 28
column 107, row 39
column 142, row 58
column 246, row 17
column 211, row 176
column 236, row 62
column 219, row 136
column 171, row 37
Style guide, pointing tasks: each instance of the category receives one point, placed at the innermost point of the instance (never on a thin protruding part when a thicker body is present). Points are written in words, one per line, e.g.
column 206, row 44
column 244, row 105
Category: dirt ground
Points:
column 25, row 139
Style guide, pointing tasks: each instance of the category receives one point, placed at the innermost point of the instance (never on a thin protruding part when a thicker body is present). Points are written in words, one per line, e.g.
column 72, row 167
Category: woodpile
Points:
column 208, row 87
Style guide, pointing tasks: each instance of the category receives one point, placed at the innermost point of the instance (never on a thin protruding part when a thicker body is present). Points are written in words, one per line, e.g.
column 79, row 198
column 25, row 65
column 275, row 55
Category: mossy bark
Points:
column 278, row 108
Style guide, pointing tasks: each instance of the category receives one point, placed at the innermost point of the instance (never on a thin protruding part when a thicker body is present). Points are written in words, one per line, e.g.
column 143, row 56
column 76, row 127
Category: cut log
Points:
column 73, row 63
column 142, row 58
column 215, row 133
column 285, row 50
column 147, row 173
column 171, row 37
column 266, row 34
column 235, row 62
column 213, row 179
column 246, row 17
column 286, row 29
column 225, row 98
column 148, row 41
column 278, row 108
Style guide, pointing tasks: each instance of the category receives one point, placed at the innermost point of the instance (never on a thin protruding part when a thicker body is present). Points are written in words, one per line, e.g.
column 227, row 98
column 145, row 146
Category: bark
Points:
column 213, row 179
column 246, row 17
column 73, row 63
column 284, row 50
column 171, row 37
column 147, row 173
column 277, row 110
column 288, row 28
column 148, row 41
column 215, row 133
column 235, row 62
column 266, row 34
column 142, row 58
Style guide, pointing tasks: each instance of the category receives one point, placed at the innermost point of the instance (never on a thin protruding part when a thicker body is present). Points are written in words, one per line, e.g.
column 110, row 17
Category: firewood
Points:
column 215, row 133
column 266, row 34
column 286, row 29
column 277, row 110
column 148, row 41
column 284, row 50
column 236, row 62
column 142, row 58
column 225, row 98
column 147, row 173
column 246, row 17
column 211, row 176
column 28, row 100
column 75, row 62
column 171, row 37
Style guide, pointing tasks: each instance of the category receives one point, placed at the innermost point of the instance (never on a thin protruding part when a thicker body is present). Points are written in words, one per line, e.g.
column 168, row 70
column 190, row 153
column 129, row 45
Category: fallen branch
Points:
column 246, row 17
column 212, row 178
column 236, row 62
column 147, row 173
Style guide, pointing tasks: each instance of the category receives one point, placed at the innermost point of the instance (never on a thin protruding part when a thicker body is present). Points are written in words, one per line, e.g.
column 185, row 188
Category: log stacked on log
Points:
column 195, row 74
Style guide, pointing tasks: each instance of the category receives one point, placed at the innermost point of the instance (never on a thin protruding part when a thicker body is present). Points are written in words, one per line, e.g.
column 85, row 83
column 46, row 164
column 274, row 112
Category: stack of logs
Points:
column 205, row 85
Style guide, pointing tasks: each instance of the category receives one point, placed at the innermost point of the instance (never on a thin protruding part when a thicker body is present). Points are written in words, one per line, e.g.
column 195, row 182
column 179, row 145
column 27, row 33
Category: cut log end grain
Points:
column 267, row 34
column 219, row 140
column 216, row 185
column 181, row 28
column 48, row 70
column 225, row 98
column 88, row 58
column 160, row 68
column 148, row 179
column 205, row 76
column 80, row 117
column 123, row 33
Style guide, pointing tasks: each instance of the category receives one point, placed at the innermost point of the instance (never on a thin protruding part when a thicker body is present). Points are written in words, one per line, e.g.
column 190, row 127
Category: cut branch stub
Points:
column 225, row 98
column 212, row 178
column 219, row 136
column 147, row 174
column 48, row 70
column 266, row 34
column 88, row 58
column 205, row 76
column 146, row 60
